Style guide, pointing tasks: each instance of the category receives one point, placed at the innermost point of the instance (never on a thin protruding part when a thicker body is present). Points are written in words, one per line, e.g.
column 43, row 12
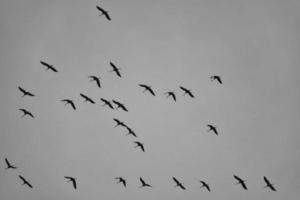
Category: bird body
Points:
column 69, row 101
column 205, row 185
column 130, row 132
column 212, row 128
column 25, row 93
column 9, row 166
column 121, row 180
column 187, row 91
column 172, row 94
column 86, row 98
column 103, row 12
column 120, row 105
column 119, row 123
column 215, row 77
column 48, row 66
column 269, row 184
column 144, row 184
column 25, row 182
column 147, row 88
column 73, row 180
column 139, row 144
column 178, row 184
column 115, row 69
column 106, row 102
column 96, row 79
column 26, row 112
column 241, row 181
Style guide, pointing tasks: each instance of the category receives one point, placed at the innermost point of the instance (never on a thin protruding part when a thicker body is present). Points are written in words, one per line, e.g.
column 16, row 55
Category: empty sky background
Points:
column 253, row 45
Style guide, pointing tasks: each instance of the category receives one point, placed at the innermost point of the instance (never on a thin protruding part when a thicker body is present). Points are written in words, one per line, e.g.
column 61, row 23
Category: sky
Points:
column 253, row 45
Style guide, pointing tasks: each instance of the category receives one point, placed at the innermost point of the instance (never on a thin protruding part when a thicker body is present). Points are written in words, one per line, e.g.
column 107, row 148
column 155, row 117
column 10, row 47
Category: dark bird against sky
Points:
column 103, row 12
column 87, row 99
column 147, row 88
column 120, row 105
column 48, row 66
column 69, row 101
column 172, row 94
column 73, row 180
column 187, row 91
column 205, row 185
column 25, row 182
column 215, row 77
column 9, row 165
column 25, row 93
column 106, row 102
column 130, row 132
column 241, row 181
column 139, row 144
column 121, row 180
column 119, row 123
column 269, row 184
column 115, row 69
column 26, row 112
column 96, row 79
column 178, row 184
column 144, row 184
column 212, row 128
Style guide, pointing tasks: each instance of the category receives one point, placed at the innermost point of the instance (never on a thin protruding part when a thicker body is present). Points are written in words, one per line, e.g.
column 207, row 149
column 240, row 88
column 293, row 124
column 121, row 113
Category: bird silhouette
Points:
column 119, row 123
column 73, row 180
column 115, row 69
column 121, row 180
column 147, row 88
column 130, row 132
column 144, row 184
column 215, row 77
column 172, row 94
column 26, row 93
column 205, row 185
column 9, row 166
column 26, row 112
column 269, row 184
column 241, row 181
column 25, row 182
column 106, row 102
column 86, row 98
column 212, row 128
column 96, row 79
column 139, row 144
column 69, row 101
column 120, row 105
column 187, row 91
column 48, row 66
column 103, row 12
column 178, row 183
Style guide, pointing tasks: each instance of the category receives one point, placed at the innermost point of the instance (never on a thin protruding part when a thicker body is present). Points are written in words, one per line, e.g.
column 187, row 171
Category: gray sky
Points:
column 253, row 45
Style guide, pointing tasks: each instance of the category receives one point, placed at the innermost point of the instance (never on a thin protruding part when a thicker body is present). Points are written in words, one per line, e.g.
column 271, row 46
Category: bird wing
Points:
column 7, row 162
column 98, row 82
column 44, row 63
column 142, row 181
column 73, row 105
column 74, row 183
column 219, row 80
column 151, row 91
column 173, row 95
column 21, row 89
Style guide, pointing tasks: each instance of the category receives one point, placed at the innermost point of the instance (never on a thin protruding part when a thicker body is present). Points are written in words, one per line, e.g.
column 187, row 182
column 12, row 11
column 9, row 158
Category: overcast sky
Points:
column 254, row 45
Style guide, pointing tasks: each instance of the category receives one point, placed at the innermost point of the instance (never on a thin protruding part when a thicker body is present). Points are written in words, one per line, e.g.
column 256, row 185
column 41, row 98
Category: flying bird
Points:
column 106, row 102
column 147, row 88
column 269, row 184
column 187, row 91
column 130, row 131
column 26, row 93
column 205, row 185
column 96, row 79
column 172, row 94
column 73, row 180
column 103, row 12
column 9, row 166
column 241, row 181
column 48, row 66
column 144, row 184
column 139, row 144
column 25, row 182
column 121, row 180
column 119, row 123
column 212, row 128
column 69, row 101
column 178, row 183
column 215, row 77
column 120, row 105
column 86, row 98
column 115, row 69
column 26, row 112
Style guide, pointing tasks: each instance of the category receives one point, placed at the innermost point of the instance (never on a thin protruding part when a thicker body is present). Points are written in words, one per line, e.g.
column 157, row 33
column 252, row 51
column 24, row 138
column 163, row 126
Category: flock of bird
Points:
column 114, row 104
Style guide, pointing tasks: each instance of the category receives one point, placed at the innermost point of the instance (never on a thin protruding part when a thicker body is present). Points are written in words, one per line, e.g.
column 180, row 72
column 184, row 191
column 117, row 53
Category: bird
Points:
column 119, row 123
column 241, row 181
column 69, row 101
column 121, row 180
column 9, row 166
column 205, row 185
column 120, row 105
column 25, row 182
column 144, row 184
column 172, row 94
column 104, row 12
column 147, row 88
column 130, row 131
column 178, row 183
column 269, row 184
column 212, row 128
column 96, row 79
column 187, row 91
column 106, row 102
column 48, row 66
column 215, row 77
column 26, row 93
column 73, row 180
column 139, row 144
column 115, row 69
column 26, row 112
column 86, row 98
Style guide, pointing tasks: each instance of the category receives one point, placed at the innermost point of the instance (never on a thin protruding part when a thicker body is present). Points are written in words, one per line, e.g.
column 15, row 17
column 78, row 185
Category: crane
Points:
column 187, row 91
column 69, row 101
column 147, row 88
column 144, row 184
column 115, row 69
column 241, row 181
column 106, row 102
column 178, row 183
column 205, row 185
column 269, row 184
column 48, row 66
column 26, row 112
column 212, row 128
column 139, row 144
column 25, row 182
column 96, row 79
column 104, row 12
column 172, row 94
column 86, row 98
column 121, row 180
column 73, row 180
column 25, row 93
column 9, row 166
column 120, row 105
column 215, row 77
